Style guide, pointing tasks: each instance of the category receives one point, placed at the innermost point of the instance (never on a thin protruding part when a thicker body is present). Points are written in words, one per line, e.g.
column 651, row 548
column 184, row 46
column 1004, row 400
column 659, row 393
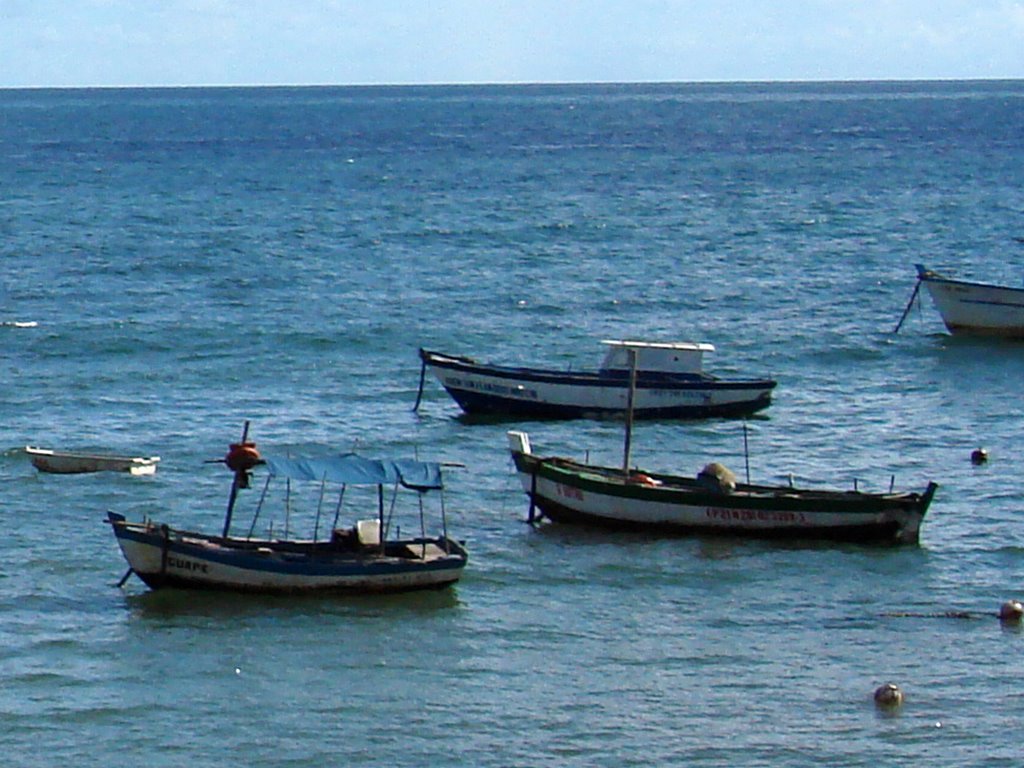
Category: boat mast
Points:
column 631, row 352
column 238, row 482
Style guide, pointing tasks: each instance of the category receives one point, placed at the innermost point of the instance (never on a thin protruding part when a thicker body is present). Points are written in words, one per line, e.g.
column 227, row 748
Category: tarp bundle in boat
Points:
column 357, row 470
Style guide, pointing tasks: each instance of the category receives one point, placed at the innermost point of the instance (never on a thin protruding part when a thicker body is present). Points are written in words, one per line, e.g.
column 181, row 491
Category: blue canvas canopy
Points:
column 353, row 469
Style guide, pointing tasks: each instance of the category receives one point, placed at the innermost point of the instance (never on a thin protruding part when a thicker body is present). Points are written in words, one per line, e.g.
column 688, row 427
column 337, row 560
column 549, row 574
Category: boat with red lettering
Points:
column 360, row 558
column 568, row 491
column 670, row 384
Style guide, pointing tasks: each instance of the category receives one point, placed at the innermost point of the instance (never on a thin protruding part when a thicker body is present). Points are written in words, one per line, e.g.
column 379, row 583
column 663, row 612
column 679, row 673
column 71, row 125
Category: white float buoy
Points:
column 1011, row 611
column 888, row 695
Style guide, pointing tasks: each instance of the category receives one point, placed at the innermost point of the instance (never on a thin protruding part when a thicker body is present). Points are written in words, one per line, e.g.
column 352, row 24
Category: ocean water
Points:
column 189, row 259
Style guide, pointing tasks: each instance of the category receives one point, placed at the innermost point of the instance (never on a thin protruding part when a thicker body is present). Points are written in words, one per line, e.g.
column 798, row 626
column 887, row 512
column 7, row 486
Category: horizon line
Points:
column 519, row 84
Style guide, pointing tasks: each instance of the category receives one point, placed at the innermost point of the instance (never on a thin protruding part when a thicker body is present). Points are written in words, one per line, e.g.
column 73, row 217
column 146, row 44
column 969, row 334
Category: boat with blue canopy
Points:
column 361, row 558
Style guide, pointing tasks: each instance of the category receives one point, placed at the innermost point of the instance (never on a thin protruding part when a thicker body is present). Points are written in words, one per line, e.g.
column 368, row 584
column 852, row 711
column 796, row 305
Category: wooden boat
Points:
column 670, row 383
column 357, row 559
column 72, row 463
column 568, row 491
column 978, row 309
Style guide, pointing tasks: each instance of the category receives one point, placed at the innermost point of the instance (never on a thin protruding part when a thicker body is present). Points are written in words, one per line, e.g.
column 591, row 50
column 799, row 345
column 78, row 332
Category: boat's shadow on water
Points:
column 167, row 604
column 498, row 419
column 704, row 544
column 986, row 346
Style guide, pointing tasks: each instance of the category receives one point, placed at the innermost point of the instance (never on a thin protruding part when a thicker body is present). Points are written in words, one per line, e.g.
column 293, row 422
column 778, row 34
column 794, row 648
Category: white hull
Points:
column 568, row 491
column 977, row 308
column 180, row 559
column 660, row 392
column 597, row 398
column 66, row 463
column 721, row 516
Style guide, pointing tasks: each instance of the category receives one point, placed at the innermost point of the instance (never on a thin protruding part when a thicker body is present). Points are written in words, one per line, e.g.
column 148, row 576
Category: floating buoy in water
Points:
column 1011, row 611
column 888, row 696
column 979, row 456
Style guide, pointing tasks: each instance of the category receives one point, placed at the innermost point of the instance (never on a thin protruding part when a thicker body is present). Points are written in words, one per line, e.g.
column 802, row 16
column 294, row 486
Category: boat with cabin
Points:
column 670, row 383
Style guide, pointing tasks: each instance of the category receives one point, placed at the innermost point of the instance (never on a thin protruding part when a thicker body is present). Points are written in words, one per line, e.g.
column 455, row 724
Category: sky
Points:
column 71, row 43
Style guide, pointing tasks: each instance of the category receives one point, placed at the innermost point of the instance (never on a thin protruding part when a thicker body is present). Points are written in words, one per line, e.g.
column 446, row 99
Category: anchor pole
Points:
column 909, row 305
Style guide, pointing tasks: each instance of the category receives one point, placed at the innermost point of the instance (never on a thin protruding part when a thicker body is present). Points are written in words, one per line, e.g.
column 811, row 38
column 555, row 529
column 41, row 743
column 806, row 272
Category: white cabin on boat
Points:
column 663, row 357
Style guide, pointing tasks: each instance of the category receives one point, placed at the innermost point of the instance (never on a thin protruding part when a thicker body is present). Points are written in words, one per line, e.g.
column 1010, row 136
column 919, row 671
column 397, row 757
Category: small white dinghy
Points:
column 73, row 463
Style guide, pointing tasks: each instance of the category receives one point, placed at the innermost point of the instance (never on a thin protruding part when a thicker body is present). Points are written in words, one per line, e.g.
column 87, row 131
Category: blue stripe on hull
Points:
column 495, row 405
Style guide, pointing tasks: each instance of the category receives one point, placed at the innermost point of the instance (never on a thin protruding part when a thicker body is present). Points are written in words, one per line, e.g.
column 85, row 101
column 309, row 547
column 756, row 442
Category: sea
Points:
column 177, row 262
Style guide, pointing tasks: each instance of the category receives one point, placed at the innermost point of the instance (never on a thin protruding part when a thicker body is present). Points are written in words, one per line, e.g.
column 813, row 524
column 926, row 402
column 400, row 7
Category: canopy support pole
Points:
column 746, row 452
column 380, row 515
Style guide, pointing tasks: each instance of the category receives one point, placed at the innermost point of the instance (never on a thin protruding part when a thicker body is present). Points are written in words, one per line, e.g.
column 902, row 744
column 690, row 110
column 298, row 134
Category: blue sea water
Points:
column 196, row 258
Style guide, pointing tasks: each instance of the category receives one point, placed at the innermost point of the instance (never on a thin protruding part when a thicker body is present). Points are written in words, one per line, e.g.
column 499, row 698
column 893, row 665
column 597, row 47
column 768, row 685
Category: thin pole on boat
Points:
column 124, row 579
column 746, row 452
column 287, row 505
column 259, row 507
column 423, row 526
column 235, row 484
column 909, row 305
column 444, row 525
column 380, row 515
column 319, row 507
column 337, row 509
column 629, row 410
column 423, row 373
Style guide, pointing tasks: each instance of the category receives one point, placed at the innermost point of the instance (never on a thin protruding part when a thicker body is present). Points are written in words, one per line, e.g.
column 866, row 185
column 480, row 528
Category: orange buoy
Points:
column 242, row 457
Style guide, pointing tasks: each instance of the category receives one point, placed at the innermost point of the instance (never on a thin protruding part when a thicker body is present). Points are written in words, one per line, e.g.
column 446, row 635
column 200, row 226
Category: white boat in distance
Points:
column 669, row 383
column 977, row 309
column 73, row 463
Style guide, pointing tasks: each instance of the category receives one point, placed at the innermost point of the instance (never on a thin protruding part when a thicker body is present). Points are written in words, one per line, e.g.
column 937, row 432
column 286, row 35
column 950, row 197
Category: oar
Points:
column 125, row 578
column 907, row 310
